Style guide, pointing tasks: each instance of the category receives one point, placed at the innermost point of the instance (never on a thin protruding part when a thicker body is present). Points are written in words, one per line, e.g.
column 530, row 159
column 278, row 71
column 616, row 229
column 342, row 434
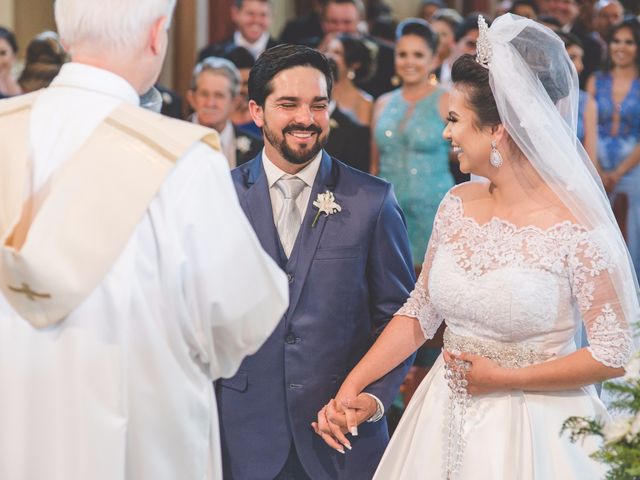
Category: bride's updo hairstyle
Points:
column 474, row 79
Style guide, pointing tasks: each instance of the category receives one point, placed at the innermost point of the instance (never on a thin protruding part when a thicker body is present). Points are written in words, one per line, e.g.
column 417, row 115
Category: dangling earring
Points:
column 351, row 75
column 495, row 158
column 396, row 81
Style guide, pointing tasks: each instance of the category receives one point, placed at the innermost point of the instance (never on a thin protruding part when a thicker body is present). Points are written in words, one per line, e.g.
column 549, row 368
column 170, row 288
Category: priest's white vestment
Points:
column 121, row 388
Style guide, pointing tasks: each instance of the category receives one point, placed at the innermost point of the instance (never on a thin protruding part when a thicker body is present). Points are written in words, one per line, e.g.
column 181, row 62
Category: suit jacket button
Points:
column 290, row 277
column 290, row 338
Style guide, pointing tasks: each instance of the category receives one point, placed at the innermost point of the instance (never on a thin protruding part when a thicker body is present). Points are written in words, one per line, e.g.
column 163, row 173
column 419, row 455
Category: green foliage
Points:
column 621, row 436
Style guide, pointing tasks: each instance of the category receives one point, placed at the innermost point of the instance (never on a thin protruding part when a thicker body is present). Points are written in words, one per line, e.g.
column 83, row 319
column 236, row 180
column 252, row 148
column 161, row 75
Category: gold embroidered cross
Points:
column 26, row 290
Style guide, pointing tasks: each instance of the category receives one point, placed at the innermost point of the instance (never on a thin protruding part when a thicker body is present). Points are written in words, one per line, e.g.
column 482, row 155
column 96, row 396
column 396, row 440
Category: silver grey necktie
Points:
column 290, row 218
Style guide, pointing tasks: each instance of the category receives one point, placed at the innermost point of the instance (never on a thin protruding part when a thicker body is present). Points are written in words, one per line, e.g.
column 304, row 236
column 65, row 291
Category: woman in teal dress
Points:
column 408, row 149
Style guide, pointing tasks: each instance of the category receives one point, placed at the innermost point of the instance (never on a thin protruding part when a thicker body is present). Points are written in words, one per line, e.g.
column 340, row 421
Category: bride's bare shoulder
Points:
column 471, row 191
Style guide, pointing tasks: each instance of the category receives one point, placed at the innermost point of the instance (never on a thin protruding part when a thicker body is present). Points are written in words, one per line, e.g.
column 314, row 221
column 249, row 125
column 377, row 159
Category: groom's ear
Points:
column 257, row 113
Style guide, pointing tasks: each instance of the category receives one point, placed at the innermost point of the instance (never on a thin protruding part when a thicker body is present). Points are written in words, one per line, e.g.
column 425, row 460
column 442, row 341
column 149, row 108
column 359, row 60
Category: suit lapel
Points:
column 257, row 203
column 309, row 237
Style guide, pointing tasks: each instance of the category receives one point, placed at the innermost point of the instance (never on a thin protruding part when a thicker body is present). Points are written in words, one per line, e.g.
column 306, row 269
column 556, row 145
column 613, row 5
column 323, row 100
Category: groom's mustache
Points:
column 298, row 127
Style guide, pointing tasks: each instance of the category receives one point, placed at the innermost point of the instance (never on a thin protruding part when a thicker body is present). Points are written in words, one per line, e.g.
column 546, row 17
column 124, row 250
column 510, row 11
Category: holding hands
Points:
column 342, row 415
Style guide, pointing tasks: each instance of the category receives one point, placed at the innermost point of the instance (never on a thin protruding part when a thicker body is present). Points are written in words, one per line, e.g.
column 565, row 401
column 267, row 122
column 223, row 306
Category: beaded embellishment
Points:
column 507, row 355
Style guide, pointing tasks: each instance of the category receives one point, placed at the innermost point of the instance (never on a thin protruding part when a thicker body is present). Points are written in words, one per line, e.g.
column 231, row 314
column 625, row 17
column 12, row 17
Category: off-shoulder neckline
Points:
column 562, row 225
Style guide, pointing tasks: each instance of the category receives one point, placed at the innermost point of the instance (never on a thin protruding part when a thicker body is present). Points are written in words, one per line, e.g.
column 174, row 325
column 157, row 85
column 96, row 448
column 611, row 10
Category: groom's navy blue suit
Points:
column 347, row 276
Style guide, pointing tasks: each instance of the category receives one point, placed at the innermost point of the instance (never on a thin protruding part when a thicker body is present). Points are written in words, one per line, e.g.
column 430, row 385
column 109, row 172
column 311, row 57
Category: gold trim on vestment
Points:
column 53, row 255
column 143, row 138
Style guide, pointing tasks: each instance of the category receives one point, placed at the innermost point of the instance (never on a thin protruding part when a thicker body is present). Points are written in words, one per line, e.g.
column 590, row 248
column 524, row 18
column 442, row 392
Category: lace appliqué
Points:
column 481, row 248
column 420, row 307
column 609, row 336
column 610, row 344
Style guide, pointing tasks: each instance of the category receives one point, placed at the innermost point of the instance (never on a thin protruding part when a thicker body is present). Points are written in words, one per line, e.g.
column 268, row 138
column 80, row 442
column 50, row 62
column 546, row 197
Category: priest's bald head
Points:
column 124, row 36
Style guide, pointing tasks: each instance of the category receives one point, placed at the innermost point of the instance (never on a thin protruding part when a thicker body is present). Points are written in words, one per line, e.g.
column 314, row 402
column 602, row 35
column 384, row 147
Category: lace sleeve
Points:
column 419, row 305
column 607, row 328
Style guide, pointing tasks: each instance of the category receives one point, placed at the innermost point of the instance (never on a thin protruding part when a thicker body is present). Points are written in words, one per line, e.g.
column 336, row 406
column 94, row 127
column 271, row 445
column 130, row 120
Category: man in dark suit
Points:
column 341, row 237
column 171, row 102
column 215, row 84
column 349, row 141
column 298, row 29
column 252, row 19
column 567, row 13
column 347, row 16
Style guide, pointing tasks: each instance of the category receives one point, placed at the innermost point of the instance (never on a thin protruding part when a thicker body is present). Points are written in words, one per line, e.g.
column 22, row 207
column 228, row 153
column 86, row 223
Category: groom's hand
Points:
column 352, row 412
column 331, row 433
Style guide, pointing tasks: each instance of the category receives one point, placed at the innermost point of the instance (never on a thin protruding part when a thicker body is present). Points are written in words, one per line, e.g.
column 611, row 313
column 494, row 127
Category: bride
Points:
column 512, row 267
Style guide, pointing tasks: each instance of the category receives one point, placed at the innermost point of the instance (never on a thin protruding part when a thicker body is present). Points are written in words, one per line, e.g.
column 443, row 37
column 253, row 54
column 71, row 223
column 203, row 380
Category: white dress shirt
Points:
column 307, row 175
column 256, row 48
column 121, row 388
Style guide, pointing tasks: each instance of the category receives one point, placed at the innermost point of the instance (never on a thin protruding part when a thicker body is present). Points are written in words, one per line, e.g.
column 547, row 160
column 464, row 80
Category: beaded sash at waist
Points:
column 508, row 355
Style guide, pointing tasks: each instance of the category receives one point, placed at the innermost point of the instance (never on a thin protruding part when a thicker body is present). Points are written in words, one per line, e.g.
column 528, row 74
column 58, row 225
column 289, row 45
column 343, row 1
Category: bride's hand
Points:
column 482, row 375
column 331, row 433
column 343, row 415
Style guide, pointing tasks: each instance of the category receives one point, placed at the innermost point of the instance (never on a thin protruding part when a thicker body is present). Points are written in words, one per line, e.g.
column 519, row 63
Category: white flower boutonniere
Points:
column 243, row 144
column 333, row 123
column 325, row 203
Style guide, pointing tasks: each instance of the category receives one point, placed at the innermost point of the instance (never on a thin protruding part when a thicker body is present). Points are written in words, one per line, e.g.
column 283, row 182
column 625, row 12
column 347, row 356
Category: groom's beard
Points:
column 303, row 154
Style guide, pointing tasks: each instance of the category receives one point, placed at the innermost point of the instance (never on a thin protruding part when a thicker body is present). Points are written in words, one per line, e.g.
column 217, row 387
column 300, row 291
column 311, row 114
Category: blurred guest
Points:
column 214, row 86
column 503, row 7
column 550, row 22
column 241, row 117
column 543, row 6
column 525, row 8
column 352, row 62
column 45, row 56
column 349, row 140
column 606, row 14
column 381, row 24
column 299, row 29
column 347, row 16
column 408, row 149
column 466, row 36
column 445, row 22
column 428, row 8
column 252, row 19
column 171, row 102
column 587, row 130
column 8, row 50
column 567, row 13
column 617, row 93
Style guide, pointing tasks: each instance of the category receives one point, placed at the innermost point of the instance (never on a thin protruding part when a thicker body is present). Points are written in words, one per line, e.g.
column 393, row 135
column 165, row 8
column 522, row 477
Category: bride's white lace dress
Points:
column 517, row 295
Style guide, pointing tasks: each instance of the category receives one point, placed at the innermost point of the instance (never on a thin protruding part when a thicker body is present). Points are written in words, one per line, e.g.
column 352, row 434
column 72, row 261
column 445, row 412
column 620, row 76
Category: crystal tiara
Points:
column 483, row 48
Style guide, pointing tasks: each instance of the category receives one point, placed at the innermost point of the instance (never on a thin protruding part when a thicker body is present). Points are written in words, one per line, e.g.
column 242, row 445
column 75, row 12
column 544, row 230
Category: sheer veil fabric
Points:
column 517, row 291
column 535, row 86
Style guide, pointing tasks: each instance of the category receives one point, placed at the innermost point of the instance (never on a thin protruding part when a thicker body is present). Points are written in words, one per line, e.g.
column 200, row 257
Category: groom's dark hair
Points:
column 284, row 57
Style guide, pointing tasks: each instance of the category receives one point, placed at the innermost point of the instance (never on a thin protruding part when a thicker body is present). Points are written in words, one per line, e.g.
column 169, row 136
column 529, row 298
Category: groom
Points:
column 349, row 270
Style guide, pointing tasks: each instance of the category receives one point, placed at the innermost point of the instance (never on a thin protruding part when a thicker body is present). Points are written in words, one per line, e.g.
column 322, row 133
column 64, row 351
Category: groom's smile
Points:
column 295, row 118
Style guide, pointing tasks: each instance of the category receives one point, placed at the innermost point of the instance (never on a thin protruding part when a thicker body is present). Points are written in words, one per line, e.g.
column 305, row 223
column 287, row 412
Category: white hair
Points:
column 109, row 24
